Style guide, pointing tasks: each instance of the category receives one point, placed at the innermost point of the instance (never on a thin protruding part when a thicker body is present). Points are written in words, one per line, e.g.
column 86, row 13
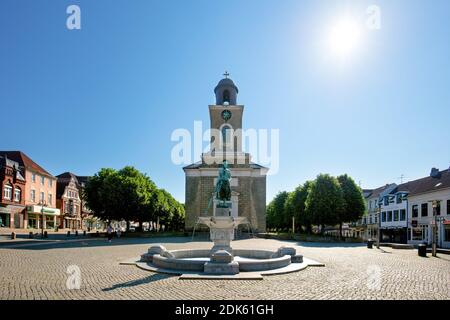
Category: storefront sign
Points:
column 47, row 211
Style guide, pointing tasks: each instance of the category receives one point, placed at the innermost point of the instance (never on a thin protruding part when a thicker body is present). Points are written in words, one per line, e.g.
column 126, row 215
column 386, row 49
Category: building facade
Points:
column 369, row 222
column 68, row 201
column 248, row 184
column 12, row 187
column 422, row 216
column 394, row 223
column 39, row 194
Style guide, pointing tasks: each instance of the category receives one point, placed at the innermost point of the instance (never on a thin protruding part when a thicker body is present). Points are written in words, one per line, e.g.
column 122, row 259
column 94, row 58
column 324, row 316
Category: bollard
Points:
column 370, row 244
column 76, row 233
column 68, row 233
column 30, row 235
column 13, row 236
column 422, row 250
column 45, row 234
column 97, row 234
column 84, row 233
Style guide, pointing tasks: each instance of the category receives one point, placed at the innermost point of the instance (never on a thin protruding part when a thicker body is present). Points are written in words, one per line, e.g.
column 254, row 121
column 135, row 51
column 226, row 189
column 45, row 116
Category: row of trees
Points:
column 325, row 201
column 130, row 195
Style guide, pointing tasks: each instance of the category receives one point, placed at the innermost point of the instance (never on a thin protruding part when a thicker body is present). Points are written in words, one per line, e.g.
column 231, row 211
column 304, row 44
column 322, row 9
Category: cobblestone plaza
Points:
column 39, row 271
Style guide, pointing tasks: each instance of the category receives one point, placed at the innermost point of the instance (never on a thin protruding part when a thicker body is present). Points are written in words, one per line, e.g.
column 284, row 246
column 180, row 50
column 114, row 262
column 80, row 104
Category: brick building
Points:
column 38, row 194
column 12, row 186
column 70, row 201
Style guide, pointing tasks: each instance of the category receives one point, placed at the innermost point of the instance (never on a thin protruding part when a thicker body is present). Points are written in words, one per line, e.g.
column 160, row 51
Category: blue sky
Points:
column 111, row 94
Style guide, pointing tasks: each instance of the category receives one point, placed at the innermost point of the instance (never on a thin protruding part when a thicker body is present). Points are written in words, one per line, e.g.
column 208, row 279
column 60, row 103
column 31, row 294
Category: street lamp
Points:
column 379, row 224
column 437, row 219
column 42, row 203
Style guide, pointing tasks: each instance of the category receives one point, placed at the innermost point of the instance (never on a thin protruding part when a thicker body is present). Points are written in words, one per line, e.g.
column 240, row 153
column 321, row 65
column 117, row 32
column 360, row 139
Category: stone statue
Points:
column 223, row 188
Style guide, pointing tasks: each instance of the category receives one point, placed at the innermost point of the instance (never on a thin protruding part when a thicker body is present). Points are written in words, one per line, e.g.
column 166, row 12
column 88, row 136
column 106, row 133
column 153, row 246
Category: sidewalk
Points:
column 23, row 235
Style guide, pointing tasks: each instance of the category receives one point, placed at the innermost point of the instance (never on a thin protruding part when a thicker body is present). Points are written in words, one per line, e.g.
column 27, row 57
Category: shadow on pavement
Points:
column 329, row 244
column 84, row 242
column 138, row 282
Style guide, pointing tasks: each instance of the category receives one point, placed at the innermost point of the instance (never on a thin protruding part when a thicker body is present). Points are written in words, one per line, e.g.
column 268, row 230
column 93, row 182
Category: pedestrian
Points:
column 118, row 233
column 109, row 231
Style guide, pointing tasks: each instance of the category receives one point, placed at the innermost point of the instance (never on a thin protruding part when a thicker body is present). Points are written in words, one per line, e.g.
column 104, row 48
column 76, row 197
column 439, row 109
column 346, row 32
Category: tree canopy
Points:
column 130, row 195
column 325, row 201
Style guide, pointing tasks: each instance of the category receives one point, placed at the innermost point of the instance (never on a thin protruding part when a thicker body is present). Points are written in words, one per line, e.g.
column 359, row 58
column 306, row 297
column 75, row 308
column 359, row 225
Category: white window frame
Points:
column 17, row 191
column 7, row 192
column 33, row 195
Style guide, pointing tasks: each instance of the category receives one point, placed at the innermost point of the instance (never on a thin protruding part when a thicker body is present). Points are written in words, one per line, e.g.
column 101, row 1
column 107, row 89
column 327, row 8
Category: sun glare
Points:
column 344, row 37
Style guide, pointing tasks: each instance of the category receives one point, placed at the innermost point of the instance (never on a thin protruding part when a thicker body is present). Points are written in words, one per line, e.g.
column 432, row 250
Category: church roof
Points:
column 226, row 82
column 257, row 166
column 198, row 165
column 193, row 166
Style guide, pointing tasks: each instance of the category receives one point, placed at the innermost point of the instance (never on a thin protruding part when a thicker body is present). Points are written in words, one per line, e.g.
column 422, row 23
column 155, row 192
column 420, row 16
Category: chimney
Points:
column 434, row 173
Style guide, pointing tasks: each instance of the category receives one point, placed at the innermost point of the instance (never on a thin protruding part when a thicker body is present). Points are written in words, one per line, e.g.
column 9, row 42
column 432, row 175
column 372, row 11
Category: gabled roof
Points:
column 378, row 192
column 64, row 179
column 26, row 162
column 427, row 184
column 5, row 161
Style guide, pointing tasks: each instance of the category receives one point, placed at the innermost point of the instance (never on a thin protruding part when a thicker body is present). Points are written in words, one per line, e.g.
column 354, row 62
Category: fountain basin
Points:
column 247, row 260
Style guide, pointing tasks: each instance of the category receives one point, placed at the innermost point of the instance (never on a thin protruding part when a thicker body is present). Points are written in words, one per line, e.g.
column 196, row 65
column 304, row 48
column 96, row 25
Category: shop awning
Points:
column 47, row 211
column 4, row 210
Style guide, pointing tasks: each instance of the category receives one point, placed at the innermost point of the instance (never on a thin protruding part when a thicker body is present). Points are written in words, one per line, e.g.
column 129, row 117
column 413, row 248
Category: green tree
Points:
column 296, row 206
column 354, row 205
column 136, row 191
column 130, row 195
column 276, row 211
column 325, row 201
column 101, row 196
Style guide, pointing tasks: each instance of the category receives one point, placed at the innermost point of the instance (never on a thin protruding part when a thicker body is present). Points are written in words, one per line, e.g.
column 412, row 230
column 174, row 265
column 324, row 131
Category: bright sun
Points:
column 344, row 37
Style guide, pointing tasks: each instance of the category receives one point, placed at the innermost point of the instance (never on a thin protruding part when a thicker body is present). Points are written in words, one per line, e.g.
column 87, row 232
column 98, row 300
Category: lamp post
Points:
column 379, row 224
column 42, row 203
column 436, row 219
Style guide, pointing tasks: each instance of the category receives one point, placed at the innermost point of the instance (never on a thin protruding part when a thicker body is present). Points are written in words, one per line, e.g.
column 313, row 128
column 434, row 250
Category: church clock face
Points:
column 226, row 115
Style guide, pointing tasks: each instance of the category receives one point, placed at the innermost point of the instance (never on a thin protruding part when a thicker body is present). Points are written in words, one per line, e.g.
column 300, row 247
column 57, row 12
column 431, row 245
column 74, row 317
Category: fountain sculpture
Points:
column 222, row 260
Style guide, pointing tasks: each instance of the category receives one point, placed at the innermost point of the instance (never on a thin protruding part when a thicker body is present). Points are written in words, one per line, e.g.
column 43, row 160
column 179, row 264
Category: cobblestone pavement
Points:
column 38, row 271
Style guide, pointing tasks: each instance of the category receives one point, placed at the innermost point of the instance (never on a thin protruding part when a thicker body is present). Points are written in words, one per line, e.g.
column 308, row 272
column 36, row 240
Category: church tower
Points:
column 248, row 184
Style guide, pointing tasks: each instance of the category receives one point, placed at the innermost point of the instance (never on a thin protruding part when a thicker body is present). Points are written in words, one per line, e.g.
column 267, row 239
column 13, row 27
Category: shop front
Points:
column 73, row 223
column 446, row 234
column 423, row 233
column 11, row 216
column 394, row 235
column 38, row 215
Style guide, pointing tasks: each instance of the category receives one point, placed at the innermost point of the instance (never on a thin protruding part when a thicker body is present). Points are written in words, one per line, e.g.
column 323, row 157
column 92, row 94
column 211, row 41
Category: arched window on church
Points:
column 227, row 135
column 226, row 97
